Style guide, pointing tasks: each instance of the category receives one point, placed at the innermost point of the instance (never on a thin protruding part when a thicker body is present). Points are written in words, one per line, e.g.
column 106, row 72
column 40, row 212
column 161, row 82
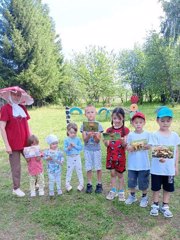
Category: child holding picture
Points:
column 55, row 159
column 92, row 149
column 163, row 167
column 138, row 160
column 35, row 169
column 72, row 148
column 116, row 158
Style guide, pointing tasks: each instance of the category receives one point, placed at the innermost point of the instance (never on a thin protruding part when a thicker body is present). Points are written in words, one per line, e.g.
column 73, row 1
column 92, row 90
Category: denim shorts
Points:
column 138, row 178
column 92, row 160
column 166, row 181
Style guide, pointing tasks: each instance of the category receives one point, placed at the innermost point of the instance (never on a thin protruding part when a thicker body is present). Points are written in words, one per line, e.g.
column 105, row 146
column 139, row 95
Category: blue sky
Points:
column 116, row 24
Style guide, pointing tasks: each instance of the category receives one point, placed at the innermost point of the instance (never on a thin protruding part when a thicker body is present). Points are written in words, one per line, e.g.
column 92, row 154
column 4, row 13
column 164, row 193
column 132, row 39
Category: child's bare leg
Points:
column 166, row 197
column 155, row 196
column 132, row 190
column 121, row 180
column 89, row 176
column 99, row 176
column 144, row 191
column 113, row 178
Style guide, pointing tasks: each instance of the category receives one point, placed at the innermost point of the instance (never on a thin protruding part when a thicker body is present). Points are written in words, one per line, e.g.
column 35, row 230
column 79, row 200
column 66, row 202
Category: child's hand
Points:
column 146, row 147
column 27, row 159
column 70, row 146
column 162, row 160
column 130, row 148
column 38, row 158
column 123, row 140
column 106, row 142
column 91, row 134
column 49, row 158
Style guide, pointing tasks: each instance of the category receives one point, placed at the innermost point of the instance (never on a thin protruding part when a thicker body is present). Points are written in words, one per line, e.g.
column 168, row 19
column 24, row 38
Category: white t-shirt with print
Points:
column 138, row 160
column 168, row 167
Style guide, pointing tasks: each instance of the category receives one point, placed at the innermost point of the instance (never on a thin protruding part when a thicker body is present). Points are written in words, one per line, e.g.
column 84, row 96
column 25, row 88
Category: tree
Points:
column 131, row 68
column 30, row 51
column 158, row 71
column 69, row 89
column 170, row 25
column 96, row 72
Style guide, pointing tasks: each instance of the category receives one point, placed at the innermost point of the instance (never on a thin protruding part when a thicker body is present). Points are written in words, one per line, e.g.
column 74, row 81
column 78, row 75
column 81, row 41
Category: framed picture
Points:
column 111, row 136
column 32, row 151
column 139, row 144
column 162, row 151
column 90, row 126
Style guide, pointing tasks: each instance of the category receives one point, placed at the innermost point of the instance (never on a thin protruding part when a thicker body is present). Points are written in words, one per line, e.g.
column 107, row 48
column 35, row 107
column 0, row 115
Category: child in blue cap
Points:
column 164, row 164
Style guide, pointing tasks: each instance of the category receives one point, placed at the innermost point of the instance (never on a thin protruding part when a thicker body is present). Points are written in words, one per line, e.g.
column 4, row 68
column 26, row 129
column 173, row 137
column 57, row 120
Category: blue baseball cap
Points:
column 164, row 112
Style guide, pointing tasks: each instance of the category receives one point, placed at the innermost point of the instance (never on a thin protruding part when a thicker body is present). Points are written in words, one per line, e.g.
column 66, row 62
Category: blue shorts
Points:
column 138, row 178
column 166, row 181
column 92, row 160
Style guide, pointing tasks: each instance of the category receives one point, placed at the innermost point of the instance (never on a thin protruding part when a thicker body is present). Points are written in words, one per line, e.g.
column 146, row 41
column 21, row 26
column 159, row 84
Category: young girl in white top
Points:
column 72, row 148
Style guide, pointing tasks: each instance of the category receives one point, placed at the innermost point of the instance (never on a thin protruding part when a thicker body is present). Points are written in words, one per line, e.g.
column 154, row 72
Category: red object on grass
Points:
column 134, row 99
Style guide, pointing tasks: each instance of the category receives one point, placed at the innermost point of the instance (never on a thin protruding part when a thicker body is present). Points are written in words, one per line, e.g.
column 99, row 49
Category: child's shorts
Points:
column 166, row 181
column 92, row 160
column 118, row 165
column 138, row 178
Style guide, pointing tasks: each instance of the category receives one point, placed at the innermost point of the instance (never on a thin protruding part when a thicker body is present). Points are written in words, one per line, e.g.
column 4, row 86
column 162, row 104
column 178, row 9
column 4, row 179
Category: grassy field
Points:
column 78, row 215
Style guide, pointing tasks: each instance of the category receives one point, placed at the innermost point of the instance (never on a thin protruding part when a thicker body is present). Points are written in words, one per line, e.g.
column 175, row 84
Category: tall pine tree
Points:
column 30, row 50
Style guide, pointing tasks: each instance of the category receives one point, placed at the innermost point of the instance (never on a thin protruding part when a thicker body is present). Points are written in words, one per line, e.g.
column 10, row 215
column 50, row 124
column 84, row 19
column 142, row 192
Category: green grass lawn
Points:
column 79, row 215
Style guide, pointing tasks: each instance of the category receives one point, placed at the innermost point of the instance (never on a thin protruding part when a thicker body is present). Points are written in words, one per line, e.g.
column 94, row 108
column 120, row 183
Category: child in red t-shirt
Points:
column 35, row 169
column 116, row 158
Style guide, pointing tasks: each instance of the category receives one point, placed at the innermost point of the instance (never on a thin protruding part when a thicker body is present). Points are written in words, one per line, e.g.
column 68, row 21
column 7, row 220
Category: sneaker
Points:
column 154, row 210
column 80, row 187
column 41, row 192
column 99, row 188
column 33, row 193
column 68, row 188
column 131, row 199
column 89, row 188
column 18, row 192
column 59, row 192
column 111, row 195
column 144, row 202
column 121, row 196
column 51, row 194
column 166, row 212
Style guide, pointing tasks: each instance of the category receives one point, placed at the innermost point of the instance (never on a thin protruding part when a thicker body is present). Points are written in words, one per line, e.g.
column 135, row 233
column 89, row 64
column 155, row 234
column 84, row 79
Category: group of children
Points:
column 162, row 169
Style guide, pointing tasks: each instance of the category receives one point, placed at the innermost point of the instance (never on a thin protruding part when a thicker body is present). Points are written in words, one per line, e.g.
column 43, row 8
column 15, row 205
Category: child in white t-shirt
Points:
column 164, row 164
column 138, row 160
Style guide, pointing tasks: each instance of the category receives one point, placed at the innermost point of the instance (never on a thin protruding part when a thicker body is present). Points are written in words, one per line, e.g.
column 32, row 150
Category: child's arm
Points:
column 97, row 137
column 106, row 142
column 177, row 162
column 67, row 146
column 86, row 136
column 60, row 158
column 78, row 145
column 46, row 156
column 27, row 159
column 129, row 148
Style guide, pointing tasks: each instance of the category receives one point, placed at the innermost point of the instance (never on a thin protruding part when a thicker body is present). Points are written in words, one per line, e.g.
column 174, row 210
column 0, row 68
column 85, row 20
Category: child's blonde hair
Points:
column 89, row 106
column 32, row 139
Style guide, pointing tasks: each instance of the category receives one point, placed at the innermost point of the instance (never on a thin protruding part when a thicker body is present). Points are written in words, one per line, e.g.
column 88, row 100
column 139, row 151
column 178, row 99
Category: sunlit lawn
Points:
column 78, row 215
